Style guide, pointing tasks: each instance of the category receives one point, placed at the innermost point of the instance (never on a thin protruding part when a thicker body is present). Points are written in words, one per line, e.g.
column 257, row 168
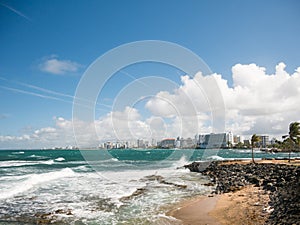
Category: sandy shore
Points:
column 247, row 206
column 195, row 211
column 295, row 162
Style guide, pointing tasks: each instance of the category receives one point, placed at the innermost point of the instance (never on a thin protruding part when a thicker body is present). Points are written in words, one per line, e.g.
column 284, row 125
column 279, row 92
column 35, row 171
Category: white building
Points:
column 212, row 140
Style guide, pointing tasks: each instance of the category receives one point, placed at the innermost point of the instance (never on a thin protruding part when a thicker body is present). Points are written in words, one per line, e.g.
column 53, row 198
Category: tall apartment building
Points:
column 212, row 140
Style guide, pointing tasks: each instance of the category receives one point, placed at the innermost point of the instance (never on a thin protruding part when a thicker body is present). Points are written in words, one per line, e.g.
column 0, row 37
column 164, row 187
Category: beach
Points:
column 266, row 202
column 247, row 206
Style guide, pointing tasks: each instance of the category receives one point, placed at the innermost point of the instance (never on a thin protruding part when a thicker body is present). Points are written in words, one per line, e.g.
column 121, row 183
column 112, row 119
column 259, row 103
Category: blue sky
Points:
column 222, row 33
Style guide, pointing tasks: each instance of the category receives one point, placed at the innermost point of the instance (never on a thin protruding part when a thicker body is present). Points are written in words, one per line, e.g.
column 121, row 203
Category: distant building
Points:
column 186, row 143
column 264, row 141
column 236, row 139
column 108, row 145
column 153, row 143
column 247, row 143
column 273, row 141
column 140, row 143
column 230, row 137
column 212, row 140
column 167, row 143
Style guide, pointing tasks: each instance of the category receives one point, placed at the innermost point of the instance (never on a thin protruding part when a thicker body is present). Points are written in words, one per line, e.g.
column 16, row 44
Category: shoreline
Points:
column 189, row 211
column 240, row 207
column 257, row 202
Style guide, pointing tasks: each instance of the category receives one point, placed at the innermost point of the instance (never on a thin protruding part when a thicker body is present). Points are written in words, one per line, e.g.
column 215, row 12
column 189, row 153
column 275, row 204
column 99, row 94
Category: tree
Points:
column 293, row 136
column 254, row 139
column 229, row 144
column 287, row 145
column 239, row 145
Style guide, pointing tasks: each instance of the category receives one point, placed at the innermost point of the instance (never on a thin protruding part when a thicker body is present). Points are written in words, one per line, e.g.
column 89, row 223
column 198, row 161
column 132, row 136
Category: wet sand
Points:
column 195, row 211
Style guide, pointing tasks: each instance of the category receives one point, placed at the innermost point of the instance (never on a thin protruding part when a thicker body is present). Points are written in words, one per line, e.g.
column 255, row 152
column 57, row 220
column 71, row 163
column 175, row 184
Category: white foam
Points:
column 18, row 153
column 10, row 178
column 82, row 168
column 34, row 180
column 181, row 162
column 16, row 163
column 13, row 163
column 215, row 157
column 48, row 162
column 114, row 159
column 59, row 159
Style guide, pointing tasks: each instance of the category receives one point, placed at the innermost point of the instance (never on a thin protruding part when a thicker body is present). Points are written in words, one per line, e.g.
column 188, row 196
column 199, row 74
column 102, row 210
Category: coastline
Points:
column 258, row 203
column 246, row 206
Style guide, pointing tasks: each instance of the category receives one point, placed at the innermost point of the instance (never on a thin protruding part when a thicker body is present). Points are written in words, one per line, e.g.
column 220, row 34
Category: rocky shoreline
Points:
column 280, row 181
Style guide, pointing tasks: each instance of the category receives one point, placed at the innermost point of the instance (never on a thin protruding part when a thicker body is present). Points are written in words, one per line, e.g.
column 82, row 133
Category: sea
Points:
column 118, row 186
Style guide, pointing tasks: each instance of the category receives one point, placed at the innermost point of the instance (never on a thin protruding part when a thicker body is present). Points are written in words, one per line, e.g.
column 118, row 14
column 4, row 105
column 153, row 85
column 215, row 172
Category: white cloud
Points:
column 55, row 66
column 256, row 102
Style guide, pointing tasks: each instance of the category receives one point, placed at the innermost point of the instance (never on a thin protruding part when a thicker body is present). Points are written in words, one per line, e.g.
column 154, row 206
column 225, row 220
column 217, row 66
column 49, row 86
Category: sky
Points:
column 252, row 48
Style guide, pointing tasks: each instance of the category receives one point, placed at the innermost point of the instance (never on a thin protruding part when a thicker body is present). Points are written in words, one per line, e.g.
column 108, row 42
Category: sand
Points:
column 189, row 212
column 247, row 206
column 294, row 162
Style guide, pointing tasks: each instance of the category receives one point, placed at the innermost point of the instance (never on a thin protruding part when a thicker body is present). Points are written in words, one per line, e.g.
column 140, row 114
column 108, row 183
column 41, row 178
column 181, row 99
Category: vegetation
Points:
column 292, row 140
column 254, row 139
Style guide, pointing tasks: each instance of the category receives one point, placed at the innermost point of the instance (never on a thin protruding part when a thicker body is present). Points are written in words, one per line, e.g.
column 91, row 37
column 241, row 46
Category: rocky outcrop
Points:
column 280, row 181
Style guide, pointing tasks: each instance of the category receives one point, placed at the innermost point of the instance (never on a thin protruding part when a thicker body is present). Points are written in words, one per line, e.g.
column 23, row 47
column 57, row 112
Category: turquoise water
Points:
column 101, row 187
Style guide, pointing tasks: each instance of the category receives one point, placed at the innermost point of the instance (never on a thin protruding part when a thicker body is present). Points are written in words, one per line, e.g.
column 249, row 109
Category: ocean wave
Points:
column 18, row 153
column 34, row 180
column 114, row 159
column 60, row 159
column 216, row 157
column 36, row 156
column 10, row 178
column 83, row 168
column 14, row 163
column 181, row 162
column 17, row 163
column 48, row 162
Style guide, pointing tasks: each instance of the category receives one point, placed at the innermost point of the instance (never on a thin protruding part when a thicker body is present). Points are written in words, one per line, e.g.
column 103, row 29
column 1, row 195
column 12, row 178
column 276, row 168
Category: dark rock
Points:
column 280, row 181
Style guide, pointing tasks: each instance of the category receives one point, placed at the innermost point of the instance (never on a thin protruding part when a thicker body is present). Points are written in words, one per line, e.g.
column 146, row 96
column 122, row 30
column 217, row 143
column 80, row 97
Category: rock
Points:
column 281, row 181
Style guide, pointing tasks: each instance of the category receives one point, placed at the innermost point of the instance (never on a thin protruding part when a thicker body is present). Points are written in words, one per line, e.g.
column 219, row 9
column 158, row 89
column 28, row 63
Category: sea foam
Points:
column 35, row 179
column 59, row 159
column 215, row 157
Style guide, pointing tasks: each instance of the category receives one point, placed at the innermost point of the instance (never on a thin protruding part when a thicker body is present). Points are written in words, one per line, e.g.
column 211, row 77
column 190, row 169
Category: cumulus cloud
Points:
column 56, row 135
column 256, row 102
column 56, row 66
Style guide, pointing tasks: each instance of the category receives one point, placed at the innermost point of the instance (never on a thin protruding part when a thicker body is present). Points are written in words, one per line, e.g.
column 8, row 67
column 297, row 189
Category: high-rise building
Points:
column 167, row 143
column 230, row 137
column 212, row 140
column 187, row 143
column 264, row 141
column 236, row 139
column 140, row 143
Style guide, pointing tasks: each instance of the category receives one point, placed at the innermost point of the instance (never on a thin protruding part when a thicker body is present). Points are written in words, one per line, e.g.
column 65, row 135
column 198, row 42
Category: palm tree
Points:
column 288, row 144
column 293, row 136
column 254, row 139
